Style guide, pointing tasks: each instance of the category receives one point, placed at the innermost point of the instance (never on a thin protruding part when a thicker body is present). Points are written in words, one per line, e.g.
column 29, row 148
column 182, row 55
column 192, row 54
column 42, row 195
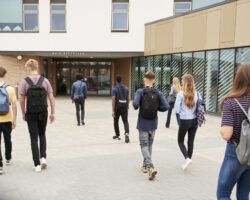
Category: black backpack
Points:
column 150, row 103
column 36, row 96
column 121, row 99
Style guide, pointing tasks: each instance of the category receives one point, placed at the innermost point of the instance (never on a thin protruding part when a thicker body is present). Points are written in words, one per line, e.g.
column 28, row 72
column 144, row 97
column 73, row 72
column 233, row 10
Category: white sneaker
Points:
column 8, row 162
column 38, row 168
column 1, row 170
column 186, row 164
column 43, row 163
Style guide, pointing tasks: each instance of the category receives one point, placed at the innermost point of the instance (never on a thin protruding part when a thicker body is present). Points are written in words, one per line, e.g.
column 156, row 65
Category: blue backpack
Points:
column 4, row 100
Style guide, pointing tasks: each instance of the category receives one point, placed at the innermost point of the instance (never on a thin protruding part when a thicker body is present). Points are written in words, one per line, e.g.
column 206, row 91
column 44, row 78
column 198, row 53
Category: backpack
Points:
column 78, row 95
column 121, row 99
column 4, row 100
column 36, row 96
column 200, row 111
column 150, row 102
column 243, row 148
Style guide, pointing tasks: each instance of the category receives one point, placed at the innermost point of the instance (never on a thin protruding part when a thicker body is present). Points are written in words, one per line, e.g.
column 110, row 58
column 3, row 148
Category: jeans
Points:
column 146, row 142
column 6, row 128
column 233, row 172
column 124, row 115
column 80, row 105
column 171, row 106
column 37, row 127
column 187, row 126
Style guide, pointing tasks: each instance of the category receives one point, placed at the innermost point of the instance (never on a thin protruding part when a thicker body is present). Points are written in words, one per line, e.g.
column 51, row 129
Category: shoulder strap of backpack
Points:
column 29, row 81
column 242, row 109
column 40, row 81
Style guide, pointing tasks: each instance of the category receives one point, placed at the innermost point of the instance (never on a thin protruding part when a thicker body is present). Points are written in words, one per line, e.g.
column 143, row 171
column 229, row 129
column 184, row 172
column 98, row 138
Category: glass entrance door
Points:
column 97, row 76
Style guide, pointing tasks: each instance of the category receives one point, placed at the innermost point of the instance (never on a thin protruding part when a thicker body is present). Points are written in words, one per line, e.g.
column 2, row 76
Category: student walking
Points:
column 232, row 171
column 175, row 88
column 78, row 96
column 8, row 113
column 185, row 106
column 34, row 91
column 149, row 101
column 120, row 106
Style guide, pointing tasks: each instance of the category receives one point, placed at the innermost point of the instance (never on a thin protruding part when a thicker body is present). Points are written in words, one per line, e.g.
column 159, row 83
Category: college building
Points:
column 97, row 38
column 209, row 42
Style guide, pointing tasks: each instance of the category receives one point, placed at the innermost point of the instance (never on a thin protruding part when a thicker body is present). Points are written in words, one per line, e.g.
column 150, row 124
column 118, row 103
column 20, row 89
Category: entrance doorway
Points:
column 97, row 76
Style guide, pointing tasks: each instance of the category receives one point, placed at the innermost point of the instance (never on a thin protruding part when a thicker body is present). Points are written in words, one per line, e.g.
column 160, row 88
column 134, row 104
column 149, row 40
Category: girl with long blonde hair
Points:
column 185, row 106
column 175, row 88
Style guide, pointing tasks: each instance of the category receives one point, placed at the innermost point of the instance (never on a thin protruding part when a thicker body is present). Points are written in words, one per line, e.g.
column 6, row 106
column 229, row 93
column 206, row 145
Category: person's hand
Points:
column 24, row 117
column 113, row 114
column 52, row 118
column 13, row 124
column 73, row 101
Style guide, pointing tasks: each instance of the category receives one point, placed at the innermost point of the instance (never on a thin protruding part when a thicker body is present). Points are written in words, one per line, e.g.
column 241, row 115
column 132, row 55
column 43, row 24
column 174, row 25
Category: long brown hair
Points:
column 188, row 90
column 241, row 84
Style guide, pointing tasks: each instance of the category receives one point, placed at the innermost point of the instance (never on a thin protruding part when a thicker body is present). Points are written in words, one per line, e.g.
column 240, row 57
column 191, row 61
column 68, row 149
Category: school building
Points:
column 97, row 38
column 209, row 42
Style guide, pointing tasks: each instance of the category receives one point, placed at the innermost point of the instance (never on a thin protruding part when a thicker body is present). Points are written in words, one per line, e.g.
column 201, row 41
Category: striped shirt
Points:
column 232, row 115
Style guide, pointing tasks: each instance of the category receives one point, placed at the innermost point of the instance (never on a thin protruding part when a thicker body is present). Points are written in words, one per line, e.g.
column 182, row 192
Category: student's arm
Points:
column 137, row 99
column 227, row 123
column 113, row 101
column 22, row 104
column 164, row 106
column 177, row 105
column 52, row 107
column 72, row 92
column 14, row 108
column 85, row 92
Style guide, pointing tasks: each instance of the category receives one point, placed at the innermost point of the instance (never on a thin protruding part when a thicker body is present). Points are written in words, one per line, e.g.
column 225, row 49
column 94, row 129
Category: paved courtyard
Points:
column 85, row 163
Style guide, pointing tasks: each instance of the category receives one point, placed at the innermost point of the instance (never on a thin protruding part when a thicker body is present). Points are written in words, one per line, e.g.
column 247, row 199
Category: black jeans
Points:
column 124, row 115
column 171, row 106
column 190, row 127
column 37, row 123
column 80, row 106
column 6, row 129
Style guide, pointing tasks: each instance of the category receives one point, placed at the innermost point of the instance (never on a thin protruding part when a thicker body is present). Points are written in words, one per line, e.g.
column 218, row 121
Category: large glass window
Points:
column 120, row 15
column 211, row 80
column 186, row 63
column 226, row 73
column 203, row 3
column 181, row 7
column 166, row 61
column 58, row 16
column 11, row 15
column 30, row 16
column 176, row 66
column 198, row 71
column 157, row 70
column 243, row 55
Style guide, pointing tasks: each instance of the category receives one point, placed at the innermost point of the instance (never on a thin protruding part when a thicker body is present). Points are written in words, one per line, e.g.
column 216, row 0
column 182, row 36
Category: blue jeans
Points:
column 233, row 172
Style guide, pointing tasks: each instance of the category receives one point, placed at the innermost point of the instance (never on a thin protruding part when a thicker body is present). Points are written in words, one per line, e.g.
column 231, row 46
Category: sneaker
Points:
column 186, row 164
column 126, row 138
column 144, row 169
column 116, row 137
column 78, row 124
column 43, row 163
column 38, row 168
column 1, row 170
column 151, row 173
column 83, row 123
column 8, row 162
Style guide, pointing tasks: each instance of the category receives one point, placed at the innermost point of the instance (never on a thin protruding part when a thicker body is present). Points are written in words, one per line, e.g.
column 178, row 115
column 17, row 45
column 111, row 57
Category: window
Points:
column 11, row 16
column 120, row 15
column 30, row 17
column 181, row 7
column 58, row 16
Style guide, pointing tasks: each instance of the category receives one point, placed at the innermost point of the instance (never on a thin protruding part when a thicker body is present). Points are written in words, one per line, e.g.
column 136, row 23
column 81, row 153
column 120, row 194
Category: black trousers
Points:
column 6, row 129
column 171, row 106
column 80, row 107
column 190, row 127
column 124, row 115
column 37, row 127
